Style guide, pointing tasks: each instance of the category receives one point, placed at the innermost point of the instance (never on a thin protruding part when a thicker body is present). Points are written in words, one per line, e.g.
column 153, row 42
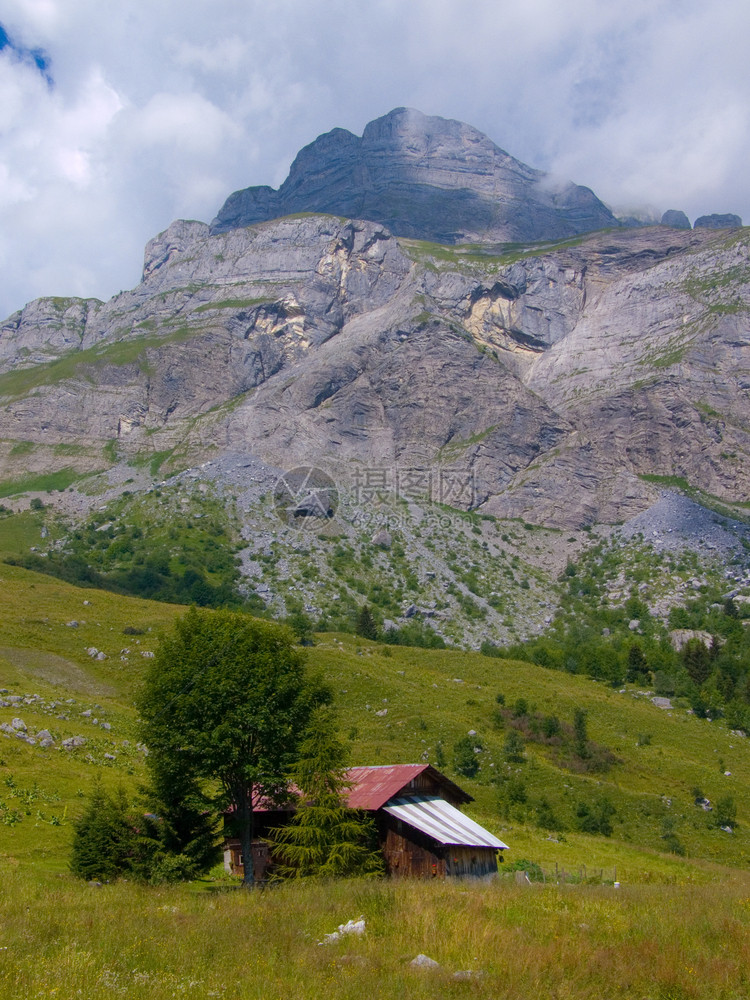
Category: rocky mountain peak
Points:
column 425, row 177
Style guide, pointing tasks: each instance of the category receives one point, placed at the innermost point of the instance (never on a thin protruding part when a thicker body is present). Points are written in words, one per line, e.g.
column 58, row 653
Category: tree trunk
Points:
column 245, row 809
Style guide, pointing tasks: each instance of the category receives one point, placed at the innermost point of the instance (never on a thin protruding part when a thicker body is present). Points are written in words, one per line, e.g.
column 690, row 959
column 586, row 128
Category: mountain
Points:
column 555, row 378
column 424, row 177
column 564, row 384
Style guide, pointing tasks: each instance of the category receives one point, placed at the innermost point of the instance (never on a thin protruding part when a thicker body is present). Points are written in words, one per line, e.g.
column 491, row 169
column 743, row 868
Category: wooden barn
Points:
column 422, row 832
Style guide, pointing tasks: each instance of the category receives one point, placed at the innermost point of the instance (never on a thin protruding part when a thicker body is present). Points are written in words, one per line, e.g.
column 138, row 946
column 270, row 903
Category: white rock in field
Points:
column 73, row 741
column 350, row 927
column 424, row 962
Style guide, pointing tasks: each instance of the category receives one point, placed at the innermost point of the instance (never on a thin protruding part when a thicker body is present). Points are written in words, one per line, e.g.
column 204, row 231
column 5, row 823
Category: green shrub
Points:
column 465, row 758
column 513, row 748
column 595, row 817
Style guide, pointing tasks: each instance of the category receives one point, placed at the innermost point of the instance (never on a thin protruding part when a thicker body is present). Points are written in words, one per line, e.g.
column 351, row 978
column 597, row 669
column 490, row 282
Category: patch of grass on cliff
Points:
column 502, row 254
column 81, row 364
column 41, row 482
column 22, row 448
column 234, row 304
column 457, row 445
column 153, row 459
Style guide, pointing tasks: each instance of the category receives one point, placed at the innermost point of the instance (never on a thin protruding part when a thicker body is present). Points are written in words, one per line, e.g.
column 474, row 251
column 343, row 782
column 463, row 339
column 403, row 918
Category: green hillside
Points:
column 397, row 704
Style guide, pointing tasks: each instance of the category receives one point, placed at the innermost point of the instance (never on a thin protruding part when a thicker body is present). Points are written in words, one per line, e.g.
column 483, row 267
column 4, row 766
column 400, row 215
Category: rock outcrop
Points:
column 676, row 219
column 425, row 177
column 717, row 222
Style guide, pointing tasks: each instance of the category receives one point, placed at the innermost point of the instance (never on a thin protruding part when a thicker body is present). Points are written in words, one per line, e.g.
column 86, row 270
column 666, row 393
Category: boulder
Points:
column 662, row 702
column 424, row 962
column 356, row 927
column 73, row 742
column 679, row 637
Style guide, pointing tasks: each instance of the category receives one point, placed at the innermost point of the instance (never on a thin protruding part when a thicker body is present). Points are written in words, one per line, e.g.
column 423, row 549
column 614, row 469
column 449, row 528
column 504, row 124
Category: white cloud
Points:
column 161, row 110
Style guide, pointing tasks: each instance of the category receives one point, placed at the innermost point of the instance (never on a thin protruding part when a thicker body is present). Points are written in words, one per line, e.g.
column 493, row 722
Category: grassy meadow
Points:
column 676, row 928
column 60, row 938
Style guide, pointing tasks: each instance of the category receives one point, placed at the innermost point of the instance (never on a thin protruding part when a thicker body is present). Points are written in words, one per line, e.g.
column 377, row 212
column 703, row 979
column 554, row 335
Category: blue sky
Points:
column 37, row 57
column 116, row 119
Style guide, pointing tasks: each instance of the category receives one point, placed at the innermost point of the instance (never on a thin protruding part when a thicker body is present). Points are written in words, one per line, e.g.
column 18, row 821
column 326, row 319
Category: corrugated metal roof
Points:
column 442, row 821
column 372, row 787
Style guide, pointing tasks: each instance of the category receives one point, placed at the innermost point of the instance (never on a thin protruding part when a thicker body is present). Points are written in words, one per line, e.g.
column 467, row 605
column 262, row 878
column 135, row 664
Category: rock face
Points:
column 424, row 177
column 676, row 219
column 538, row 384
column 717, row 222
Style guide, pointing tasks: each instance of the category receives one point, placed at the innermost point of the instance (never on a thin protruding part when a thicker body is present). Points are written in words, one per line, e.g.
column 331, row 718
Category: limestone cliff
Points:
column 555, row 377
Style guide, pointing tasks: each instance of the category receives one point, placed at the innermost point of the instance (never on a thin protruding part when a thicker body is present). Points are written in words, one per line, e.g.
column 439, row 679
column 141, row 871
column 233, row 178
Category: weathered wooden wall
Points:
column 409, row 853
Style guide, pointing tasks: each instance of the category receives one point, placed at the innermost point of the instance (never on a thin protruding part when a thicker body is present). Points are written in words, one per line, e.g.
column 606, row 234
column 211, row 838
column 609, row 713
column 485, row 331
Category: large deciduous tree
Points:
column 227, row 699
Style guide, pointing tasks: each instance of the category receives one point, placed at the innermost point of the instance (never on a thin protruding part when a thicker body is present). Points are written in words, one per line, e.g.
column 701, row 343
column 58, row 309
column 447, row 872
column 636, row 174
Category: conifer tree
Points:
column 465, row 760
column 110, row 840
column 325, row 838
column 697, row 661
column 580, row 730
column 366, row 626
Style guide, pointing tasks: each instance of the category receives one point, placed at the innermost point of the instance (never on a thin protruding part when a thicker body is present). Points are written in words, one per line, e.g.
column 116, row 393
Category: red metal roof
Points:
column 372, row 787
